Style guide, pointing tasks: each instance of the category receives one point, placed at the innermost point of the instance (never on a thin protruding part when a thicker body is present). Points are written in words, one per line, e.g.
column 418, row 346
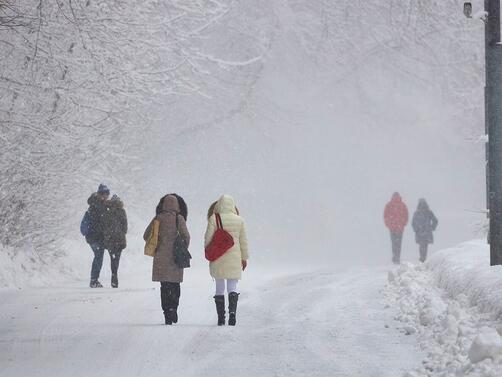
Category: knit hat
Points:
column 102, row 189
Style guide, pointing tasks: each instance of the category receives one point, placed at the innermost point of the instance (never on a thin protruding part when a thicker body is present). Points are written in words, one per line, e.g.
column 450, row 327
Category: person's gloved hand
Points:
column 244, row 264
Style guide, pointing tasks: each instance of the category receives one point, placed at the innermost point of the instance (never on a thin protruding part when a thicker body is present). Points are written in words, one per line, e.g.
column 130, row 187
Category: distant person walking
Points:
column 114, row 231
column 171, row 213
column 424, row 223
column 396, row 218
column 227, row 269
column 92, row 228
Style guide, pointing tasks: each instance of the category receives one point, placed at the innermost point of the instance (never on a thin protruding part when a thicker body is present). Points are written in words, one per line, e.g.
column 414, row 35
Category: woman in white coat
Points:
column 227, row 269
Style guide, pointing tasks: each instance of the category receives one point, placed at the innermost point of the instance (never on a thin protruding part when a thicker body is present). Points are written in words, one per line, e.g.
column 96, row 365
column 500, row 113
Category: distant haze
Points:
column 312, row 128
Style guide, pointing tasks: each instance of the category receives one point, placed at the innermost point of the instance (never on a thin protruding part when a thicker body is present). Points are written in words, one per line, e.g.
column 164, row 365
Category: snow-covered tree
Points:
column 78, row 82
column 95, row 90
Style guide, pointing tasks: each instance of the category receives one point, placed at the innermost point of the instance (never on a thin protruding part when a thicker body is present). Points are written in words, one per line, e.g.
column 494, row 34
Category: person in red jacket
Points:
column 396, row 218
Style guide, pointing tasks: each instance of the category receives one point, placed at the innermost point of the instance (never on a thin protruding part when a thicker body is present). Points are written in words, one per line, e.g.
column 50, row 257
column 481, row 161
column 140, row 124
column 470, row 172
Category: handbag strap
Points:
column 219, row 223
column 177, row 224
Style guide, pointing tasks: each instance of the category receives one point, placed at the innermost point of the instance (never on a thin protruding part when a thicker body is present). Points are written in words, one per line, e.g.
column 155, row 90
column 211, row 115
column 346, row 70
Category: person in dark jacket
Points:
column 171, row 214
column 396, row 218
column 95, row 236
column 114, row 232
column 424, row 223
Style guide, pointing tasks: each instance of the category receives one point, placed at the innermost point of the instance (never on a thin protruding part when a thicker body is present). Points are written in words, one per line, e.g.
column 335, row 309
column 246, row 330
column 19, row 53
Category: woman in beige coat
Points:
column 165, row 270
column 228, row 268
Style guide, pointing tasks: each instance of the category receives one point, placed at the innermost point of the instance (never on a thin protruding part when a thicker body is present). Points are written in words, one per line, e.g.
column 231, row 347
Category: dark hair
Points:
column 210, row 211
column 181, row 202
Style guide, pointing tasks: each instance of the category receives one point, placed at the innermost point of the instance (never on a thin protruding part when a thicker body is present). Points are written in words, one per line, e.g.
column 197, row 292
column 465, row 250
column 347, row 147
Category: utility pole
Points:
column 493, row 126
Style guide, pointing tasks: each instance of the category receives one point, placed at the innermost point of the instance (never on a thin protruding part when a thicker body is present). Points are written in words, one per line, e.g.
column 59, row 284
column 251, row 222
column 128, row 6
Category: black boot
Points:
column 174, row 300
column 164, row 299
column 167, row 319
column 220, row 309
column 115, row 281
column 233, row 297
column 170, row 295
column 95, row 284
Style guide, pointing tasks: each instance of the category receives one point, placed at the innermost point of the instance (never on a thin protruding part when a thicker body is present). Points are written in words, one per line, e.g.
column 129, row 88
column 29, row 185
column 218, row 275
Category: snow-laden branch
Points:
column 230, row 63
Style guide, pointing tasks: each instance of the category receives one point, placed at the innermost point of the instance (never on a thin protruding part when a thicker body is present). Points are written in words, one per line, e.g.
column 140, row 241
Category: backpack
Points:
column 222, row 242
column 85, row 224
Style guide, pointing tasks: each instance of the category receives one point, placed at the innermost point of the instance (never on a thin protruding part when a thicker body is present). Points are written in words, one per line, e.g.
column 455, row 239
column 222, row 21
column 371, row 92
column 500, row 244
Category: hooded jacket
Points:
column 229, row 265
column 396, row 214
column 115, row 225
column 164, row 267
column 96, row 211
column 424, row 223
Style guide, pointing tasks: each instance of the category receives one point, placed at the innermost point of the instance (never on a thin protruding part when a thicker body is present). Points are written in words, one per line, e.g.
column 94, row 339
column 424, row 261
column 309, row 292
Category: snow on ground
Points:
column 22, row 268
column 452, row 303
column 290, row 323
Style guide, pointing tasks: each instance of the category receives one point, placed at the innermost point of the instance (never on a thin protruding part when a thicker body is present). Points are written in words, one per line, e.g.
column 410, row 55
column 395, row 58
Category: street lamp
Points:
column 481, row 15
column 468, row 10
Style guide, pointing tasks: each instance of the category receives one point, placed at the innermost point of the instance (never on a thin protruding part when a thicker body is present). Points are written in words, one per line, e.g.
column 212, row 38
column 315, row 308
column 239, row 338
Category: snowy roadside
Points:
column 452, row 304
column 23, row 269
column 26, row 268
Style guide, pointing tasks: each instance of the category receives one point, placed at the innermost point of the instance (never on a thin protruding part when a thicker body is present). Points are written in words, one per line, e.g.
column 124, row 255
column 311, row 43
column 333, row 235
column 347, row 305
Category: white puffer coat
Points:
column 229, row 265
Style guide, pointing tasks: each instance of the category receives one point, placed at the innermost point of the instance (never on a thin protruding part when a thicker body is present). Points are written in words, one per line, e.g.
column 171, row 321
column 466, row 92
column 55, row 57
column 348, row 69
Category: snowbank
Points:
column 452, row 304
column 466, row 269
column 22, row 268
column 26, row 268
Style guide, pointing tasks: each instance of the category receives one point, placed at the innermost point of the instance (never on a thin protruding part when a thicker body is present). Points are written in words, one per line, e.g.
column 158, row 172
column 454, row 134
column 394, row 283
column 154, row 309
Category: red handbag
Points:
column 222, row 242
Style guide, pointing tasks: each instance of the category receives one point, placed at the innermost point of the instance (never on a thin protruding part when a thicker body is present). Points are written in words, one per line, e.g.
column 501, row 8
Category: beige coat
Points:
column 229, row 265
column 164, row 267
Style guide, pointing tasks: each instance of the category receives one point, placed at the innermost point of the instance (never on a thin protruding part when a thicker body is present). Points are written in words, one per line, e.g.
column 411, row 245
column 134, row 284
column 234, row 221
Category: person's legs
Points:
column 233, row 297
column 399, row 243
column 396, row 239
column 232, row 285
column 115, row 260
column 170, row 297
column 423, row 252
column 174, row 300
column 220, row 287
column 97, row 263
column 164, row 301
column 114, row 264
column 219, row 300
column 176, row 293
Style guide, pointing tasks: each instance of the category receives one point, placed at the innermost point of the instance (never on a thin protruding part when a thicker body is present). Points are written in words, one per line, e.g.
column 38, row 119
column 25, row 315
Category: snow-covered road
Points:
column 303, row 324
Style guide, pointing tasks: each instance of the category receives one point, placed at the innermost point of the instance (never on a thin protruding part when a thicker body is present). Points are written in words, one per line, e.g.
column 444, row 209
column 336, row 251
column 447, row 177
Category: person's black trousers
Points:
column 397, row 240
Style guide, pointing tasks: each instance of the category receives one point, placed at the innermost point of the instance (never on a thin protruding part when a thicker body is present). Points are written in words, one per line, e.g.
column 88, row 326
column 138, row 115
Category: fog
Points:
column 313, row 146
column 310, row 113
